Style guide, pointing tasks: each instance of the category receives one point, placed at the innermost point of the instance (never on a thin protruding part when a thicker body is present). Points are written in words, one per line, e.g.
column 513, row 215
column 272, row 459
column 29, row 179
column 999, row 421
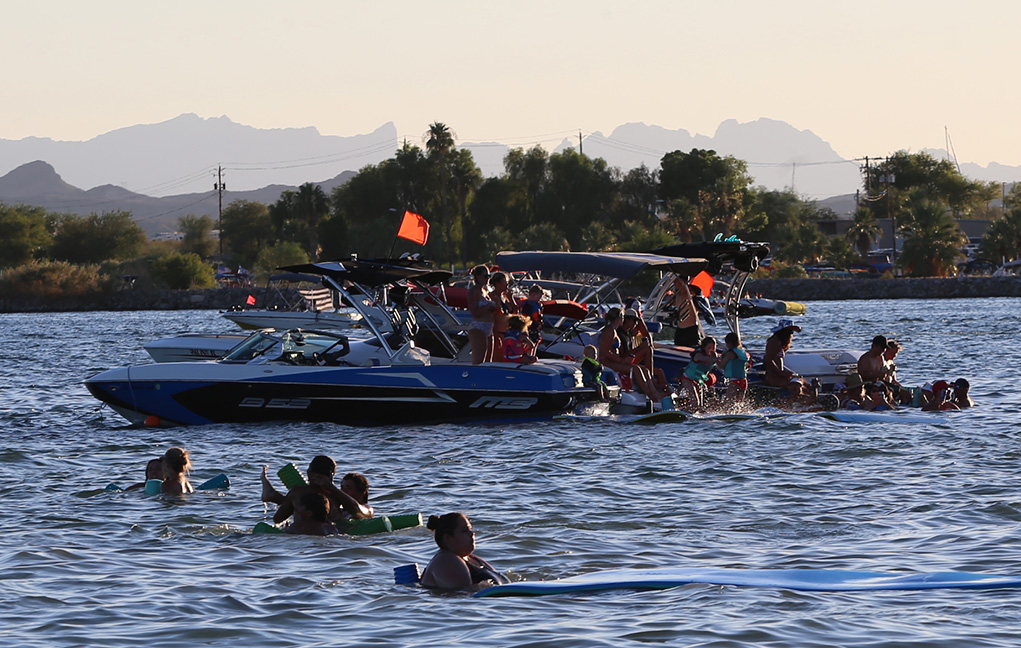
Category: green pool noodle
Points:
column 406, row 521
column 291, row 476
column 265, row 527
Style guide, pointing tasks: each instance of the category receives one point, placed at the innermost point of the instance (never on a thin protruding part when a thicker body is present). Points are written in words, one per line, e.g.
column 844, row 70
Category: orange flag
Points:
column 704, row 280
column 414, row 228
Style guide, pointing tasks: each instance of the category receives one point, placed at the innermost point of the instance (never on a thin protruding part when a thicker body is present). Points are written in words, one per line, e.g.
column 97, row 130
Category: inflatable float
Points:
column 379, row 524
column 810, row 580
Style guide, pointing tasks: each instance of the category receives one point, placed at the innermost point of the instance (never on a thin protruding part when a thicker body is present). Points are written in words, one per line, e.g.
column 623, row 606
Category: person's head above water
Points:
column 322, row 465
column 176, row 461
column 452, row 532
column 356, row 485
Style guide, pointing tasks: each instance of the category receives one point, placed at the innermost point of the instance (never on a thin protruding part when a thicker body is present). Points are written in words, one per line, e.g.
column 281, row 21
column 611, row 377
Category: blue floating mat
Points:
column 810, row 580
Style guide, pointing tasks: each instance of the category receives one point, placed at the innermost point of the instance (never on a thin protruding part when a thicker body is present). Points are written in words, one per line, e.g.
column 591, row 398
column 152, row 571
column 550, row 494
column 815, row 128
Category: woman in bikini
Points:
column 455, row 566
column 500, row 293
column 481, row 307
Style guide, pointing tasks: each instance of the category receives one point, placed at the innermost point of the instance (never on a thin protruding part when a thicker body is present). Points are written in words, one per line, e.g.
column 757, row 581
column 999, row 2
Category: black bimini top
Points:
column 373, row 273
column 620, row 265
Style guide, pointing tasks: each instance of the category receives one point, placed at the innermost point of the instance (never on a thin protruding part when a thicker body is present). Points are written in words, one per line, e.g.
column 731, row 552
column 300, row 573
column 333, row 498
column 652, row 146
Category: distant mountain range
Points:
column 163, row 171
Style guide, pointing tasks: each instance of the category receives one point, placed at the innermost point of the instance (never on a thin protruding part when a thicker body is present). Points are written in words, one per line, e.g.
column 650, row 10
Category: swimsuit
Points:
column 479, row 325
column 738, row 367
column 696, row 372
column 483, row 571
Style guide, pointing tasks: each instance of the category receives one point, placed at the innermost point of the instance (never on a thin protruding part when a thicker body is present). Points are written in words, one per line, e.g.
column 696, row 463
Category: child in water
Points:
column 592, row 373
column 696, row 375
column 735, row 363
column 311, row 516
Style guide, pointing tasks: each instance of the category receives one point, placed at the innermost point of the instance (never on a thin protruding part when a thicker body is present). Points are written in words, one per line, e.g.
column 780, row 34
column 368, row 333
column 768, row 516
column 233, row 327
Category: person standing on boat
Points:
column 611, row 356
column 455, row 566
column 482, row 308
column 689, row 331
column 505, row 305
column 532, row 309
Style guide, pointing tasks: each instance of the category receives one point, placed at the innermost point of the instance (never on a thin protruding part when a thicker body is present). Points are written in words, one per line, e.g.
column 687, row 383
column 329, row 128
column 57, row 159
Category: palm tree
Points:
column 439, row 143
column 932, row 241
column 864, row 231
column 465, row 178
column 309, row 205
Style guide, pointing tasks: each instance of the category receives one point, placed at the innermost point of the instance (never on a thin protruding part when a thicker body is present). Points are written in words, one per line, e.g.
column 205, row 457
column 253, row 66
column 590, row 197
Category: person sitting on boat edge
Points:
column 735, row 363
column 610, row 356
column 697, row 377
column 592, row 373
column 176, row 465
column 455, row 566
column 517, row 346
column 776, row 374
column 636, row 343
column 349, row 502
column 481, row 307
column 311, row 516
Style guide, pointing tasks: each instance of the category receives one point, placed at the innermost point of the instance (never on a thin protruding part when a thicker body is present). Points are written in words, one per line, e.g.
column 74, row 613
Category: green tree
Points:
column 23, row 234
column 97, row 237
column 247, row 228
column 465, row 178
column 932, row 240
column 528, row 173
column 544, row 236
column 308, row 206
column 639, row 237
column 284, row 253
column 495, row 240
column 595, row 237
column 716, row 187
column 1002, row 240
column 197, row 231
column 182, row 271
column 839, row 253
column 903, row 173
column 439, row 145
column 580, row 189
column 864, row 231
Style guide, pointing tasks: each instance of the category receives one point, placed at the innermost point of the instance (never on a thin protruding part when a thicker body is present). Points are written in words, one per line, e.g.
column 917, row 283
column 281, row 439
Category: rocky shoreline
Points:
column 787, row 289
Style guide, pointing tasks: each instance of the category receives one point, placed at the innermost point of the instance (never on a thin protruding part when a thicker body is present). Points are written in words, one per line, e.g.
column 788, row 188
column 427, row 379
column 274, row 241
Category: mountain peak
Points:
column 36, row 178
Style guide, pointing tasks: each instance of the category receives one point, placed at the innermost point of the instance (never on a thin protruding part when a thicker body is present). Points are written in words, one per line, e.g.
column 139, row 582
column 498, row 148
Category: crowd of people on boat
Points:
column 507, row 329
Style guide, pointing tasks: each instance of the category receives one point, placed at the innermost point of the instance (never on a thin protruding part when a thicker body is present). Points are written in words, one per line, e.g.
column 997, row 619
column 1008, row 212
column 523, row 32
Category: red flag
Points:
column 251, row 300
column 704, row 280
column 414, row 228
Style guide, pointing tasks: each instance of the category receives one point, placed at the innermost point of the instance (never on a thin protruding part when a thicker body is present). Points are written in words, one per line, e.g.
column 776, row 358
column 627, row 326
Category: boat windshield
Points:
column 283, row 344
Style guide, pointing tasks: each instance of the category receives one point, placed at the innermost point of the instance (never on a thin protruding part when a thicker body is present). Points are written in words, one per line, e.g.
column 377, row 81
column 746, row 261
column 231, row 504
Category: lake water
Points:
column 84, row 567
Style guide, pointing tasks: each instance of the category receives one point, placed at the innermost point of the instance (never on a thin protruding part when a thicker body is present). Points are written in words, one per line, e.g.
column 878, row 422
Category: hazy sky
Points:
column 869, row 77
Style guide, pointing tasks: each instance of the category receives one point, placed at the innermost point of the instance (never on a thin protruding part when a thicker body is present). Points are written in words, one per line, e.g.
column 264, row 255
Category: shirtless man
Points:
column 349, row 502
column 872, row 365
column 689, row 331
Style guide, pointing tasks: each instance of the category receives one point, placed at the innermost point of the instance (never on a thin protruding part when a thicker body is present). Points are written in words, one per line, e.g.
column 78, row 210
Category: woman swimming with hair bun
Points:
column 176, row 464
column 455, row 566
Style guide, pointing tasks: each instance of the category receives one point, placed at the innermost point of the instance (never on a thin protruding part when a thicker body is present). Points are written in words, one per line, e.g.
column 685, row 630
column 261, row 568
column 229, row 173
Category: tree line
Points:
column 541, row 201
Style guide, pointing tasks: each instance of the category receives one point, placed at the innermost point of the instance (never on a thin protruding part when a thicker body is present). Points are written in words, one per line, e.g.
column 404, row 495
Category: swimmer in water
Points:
column 455, row 566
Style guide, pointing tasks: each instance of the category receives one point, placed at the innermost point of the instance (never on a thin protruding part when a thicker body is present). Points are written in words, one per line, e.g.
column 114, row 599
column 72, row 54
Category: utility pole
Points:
column 581, row 150
column 219, row 186
column 887, row 179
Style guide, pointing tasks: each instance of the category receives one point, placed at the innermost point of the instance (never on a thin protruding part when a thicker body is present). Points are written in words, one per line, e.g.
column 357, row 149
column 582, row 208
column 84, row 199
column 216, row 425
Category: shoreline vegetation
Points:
column 139, row 299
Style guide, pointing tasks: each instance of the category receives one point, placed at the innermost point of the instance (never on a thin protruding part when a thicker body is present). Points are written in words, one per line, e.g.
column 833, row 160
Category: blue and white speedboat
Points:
column 302, row 375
